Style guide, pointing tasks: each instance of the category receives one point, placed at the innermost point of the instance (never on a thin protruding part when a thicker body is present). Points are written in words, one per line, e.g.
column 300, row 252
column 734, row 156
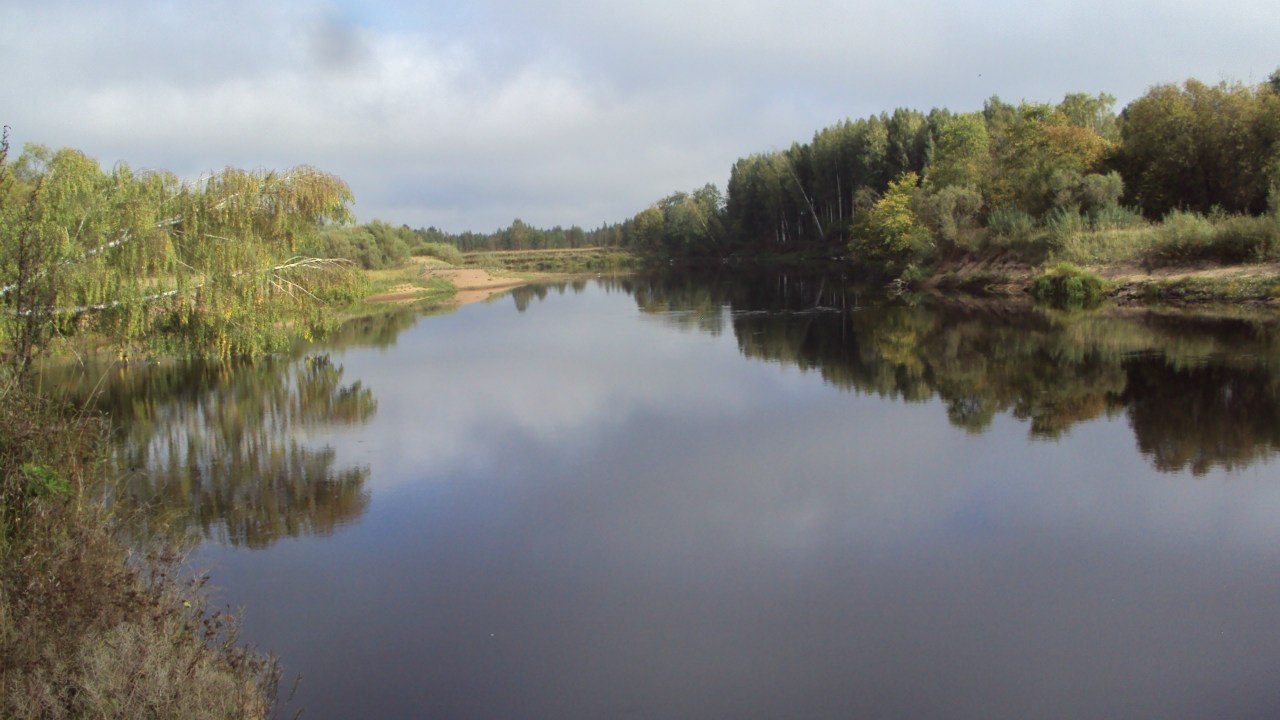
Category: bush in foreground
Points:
column 86, row 628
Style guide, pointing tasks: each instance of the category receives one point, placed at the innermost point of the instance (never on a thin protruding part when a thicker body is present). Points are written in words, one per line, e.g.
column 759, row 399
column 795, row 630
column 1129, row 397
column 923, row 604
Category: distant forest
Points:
column 904, row 186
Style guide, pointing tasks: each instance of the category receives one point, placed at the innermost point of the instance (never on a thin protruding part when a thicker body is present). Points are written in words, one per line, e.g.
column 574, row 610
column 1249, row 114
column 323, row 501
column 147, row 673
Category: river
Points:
column 719, row 496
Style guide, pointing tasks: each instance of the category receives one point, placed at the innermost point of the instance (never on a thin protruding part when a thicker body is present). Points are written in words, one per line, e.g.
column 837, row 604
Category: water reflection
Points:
column 717, row 497
column 674, row 497
column 221, row 448
column 1199, row 393
column 523, row 295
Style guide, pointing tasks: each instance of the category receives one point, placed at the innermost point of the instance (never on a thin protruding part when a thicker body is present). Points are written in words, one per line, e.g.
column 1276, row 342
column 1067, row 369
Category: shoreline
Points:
column 1193, row 284
column 1203, row 284
column 469, row 285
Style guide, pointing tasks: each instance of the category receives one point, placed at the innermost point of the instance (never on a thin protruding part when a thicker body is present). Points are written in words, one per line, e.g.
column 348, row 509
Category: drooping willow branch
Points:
column 273, row 278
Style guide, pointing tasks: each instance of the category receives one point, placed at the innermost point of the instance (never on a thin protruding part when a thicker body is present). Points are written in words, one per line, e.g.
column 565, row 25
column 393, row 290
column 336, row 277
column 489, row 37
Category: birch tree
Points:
column 204, row 267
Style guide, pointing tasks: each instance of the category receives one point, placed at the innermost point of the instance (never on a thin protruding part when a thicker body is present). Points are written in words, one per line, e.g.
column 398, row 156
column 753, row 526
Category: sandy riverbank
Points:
column 472, row 285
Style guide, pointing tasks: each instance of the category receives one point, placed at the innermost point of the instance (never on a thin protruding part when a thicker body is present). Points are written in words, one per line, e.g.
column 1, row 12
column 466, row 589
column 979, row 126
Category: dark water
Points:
column 719, row 498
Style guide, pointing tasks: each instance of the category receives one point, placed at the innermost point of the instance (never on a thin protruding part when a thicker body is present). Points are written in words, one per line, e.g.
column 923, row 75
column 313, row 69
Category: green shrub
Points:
column 1182, row 237
column 1010, row 222
column 890, row 234
column 1068, row 286
column 1192, row 237
column 1117, row 217
column 1244, row 238
column 1063, row 223
column 444, row 251
column 949, row 212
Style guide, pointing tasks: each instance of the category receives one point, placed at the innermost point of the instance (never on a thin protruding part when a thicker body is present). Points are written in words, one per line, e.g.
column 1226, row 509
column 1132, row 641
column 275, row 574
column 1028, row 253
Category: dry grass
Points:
column 86, row 628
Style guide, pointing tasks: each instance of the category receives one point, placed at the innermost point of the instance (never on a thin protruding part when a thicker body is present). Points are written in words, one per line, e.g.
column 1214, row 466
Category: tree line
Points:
column 906, row 187
column 902, row 187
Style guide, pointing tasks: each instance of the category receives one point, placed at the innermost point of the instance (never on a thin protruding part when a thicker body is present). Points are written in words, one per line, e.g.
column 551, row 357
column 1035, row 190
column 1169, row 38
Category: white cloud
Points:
column 468, row 115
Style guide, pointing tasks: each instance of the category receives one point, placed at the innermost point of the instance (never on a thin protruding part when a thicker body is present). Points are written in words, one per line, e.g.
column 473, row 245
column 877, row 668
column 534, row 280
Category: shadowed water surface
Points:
column 719, row 497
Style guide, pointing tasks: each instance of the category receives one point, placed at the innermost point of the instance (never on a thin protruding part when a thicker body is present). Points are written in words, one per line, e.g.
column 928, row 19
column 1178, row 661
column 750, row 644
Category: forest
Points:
column 1185, row 172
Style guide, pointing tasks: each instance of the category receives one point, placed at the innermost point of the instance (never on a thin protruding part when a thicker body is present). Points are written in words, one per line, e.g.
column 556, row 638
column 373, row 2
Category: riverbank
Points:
column 1123, row 283
column 466, row 285
column 430, row 281
column 90, row 627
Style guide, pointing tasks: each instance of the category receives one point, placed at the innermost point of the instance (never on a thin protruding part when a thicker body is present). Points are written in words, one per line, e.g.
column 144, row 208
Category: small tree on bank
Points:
column 890, row 234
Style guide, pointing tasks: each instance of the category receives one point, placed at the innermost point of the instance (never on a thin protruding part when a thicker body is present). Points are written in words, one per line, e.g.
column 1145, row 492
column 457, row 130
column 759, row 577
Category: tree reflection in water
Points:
column 216, row 448
column 1198, row 392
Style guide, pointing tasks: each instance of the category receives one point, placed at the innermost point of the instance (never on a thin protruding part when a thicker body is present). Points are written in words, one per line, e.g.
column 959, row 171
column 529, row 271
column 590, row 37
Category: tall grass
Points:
column 88, row 628
column 1182, row 238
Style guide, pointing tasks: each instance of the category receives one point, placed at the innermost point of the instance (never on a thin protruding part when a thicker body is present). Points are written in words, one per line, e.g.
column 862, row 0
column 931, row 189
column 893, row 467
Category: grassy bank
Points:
column 410, row 282
column 88, row 627
column 1185, row 259
column 575, row 260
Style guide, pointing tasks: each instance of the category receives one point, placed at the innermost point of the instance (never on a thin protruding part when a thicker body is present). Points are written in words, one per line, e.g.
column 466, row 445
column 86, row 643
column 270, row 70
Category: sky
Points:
column 468, row 115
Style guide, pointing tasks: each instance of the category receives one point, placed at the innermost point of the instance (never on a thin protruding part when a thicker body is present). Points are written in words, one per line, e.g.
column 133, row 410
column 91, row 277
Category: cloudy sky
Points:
column 466, row 115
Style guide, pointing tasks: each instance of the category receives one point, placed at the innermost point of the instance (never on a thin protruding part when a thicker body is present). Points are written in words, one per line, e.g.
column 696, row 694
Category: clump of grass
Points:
column 1068, row 286
column 87, row 628
column 1116, row 217
column 1011, row 223
column 1062, row 223
column 1104, row 246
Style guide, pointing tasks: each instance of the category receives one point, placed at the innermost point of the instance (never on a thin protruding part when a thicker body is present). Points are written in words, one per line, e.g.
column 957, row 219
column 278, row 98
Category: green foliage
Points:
column 681, row 224
column 375, row 246
column 1062, row 223
column 1011, row 222
column 43, row 480
column 961, row 154
column 1201, row 146
column 1040, row 172
column 890, row 234
column 1037, row 153
column 1117, row 217
column 522, row 236
column 1183, row 237
column 1092, row 112
column 212, row 265
column 1098, row 194
column 647, row 228
column 443, row 251
column 950, row 213
column 1067, row 286
column 1188, row 237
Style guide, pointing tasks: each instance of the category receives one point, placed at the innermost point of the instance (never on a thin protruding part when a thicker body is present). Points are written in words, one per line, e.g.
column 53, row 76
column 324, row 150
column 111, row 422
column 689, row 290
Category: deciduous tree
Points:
column 209, row 266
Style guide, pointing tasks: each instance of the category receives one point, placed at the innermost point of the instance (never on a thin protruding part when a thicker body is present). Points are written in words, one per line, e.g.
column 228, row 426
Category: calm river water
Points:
column 714, row 497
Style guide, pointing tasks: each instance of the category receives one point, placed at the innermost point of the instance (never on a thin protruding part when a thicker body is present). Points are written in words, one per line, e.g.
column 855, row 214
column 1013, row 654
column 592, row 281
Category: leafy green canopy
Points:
column 206, row 267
